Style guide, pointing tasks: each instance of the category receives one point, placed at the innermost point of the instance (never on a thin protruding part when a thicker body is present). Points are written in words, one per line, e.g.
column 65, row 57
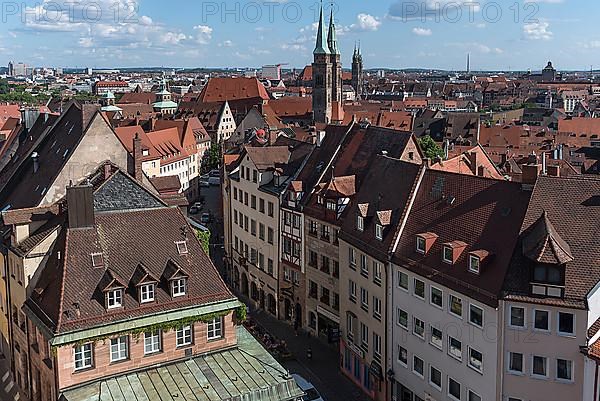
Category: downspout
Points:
column 502, row 348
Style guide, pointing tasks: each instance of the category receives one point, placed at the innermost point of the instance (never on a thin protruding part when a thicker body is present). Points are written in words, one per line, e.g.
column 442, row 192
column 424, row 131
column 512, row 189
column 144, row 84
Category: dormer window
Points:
column 146, row 293
column 179, row 287
column 379, row 232
column 421, row 245
column 114, row 298
column 331, row 205
column 182, row 248
column 474, row 264
column 360, row 223
column 447, row 255
column 97, row 260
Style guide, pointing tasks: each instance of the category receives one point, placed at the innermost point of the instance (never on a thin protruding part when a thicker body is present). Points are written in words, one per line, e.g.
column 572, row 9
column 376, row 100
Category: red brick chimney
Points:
column 530, row 174
column 472, row 156
column 137, row 158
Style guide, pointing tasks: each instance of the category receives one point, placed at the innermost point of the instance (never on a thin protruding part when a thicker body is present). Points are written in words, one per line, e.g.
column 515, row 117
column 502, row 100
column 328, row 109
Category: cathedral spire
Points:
column 321, row 47
column 331, row 37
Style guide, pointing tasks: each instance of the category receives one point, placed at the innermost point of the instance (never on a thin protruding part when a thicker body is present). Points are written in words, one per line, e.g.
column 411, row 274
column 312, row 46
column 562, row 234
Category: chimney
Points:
column 28, row 116
column 560, row 151
column 88, row 111
column 137, row 158
column 80, row 206
column 107, row 170
column 554, row 171
column 530, row 175
column 36, row 162
column 472, row 156
column 320, row 138
column 544, row 163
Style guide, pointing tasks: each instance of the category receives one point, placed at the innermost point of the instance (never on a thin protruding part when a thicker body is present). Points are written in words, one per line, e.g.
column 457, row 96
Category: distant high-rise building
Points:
column 468, row 63
column 19, row 69
column 549, row 73
column 11, row 69
column 357, row 72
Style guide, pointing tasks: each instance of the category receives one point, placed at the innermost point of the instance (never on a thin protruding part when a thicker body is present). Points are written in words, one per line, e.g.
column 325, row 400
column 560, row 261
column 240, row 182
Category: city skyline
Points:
column 429, row 35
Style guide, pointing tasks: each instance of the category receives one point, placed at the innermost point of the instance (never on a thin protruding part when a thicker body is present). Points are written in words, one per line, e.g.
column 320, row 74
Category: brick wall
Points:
column 102, row 367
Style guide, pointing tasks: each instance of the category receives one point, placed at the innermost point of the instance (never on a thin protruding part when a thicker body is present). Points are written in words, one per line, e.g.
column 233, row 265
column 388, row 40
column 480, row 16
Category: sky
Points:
column 433, row 34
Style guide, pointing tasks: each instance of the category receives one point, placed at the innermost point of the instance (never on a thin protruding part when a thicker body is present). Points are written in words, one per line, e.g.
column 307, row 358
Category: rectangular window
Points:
column 364, row 299
column 456, row 306
column 270, row 235
column 271, row 207
column 379, row 232
column 541, row 320
column 517, row 316
column 253, row 202
column 453, row 388
column 364, row 266
column 435, row 377
column 118, row 349
column 352, row 258
column 402, row 318
column 184, row 336
column 270, row 267
column 402, row 279
column 261, row 205
column 437, row 297
column 473, row 264
column 564, row 370
column 515, row 362
column 253, row 227
column 418, row 327
column 447, row 255
column 402, row 355
column 539, row 366
column 215, row 329
column 376, row 346
column 455, row 348
column 179, row 287
column 115, row 298
column 476, row 360
column 473, row 396
column 360, row 223
column 436, row 338
column 418, row 365
column 421, row 245
column 419, row 289
column 566, row 324
column 352, row 291
column 364, row 335
column 151, row 342
column 377, row 308
column 83, row 356
column 261, row 231
column 475, row 315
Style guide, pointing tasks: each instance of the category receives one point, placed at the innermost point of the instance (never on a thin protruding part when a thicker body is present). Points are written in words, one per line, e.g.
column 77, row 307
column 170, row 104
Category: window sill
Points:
column 515, row 373
column 212, row 340
column 183, row 346
column 83, row 370
column 476, row 370
column 149, row 354
column 120, row 361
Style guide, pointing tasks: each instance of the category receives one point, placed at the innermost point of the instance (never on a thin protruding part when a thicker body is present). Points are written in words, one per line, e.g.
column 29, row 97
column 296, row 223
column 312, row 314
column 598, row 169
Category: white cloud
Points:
column 422, row 31
column 173, row 38
column 203, row 34
column 366, row 22
column 226, row 43
column 86, row 42
column 537, row 31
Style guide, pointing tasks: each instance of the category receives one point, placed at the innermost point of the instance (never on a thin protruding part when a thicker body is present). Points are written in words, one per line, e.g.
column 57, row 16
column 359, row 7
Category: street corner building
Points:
column 125, row 304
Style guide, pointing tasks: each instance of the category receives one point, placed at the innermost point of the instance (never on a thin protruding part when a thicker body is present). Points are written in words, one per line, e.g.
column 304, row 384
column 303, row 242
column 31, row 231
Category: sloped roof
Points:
column 268, row 157
column 221, row 89
column 544, row 245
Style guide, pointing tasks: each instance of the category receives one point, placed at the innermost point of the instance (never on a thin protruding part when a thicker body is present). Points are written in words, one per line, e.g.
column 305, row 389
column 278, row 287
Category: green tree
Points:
column 430, row 148
column 204, row 237
column 214, row 156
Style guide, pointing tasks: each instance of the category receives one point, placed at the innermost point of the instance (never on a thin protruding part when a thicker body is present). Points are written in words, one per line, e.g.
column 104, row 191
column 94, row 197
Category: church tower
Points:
column 357, row 73
column 336, row 64
column 322, row 76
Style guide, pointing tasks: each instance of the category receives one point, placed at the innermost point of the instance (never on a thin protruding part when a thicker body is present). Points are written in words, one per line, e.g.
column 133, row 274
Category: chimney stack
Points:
column 80, row 205
column 137, row 158
column 530, row 175
column 472, row 156
column 36, row 162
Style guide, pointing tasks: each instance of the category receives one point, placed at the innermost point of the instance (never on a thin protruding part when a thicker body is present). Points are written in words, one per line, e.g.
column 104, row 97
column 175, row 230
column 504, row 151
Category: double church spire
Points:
column 326, row 42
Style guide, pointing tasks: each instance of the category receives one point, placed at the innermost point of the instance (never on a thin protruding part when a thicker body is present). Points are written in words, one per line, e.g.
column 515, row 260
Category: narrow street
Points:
column 323, row 369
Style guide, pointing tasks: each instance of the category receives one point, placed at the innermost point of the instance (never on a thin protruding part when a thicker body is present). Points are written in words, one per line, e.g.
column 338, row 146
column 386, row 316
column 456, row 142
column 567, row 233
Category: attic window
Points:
column 145, row 152
column 182, row 248
column 360, row 223
column 421, row 245
column 179, row 287
column 474, row 262
column 147, row 293
column 114, row 298
column 447, row 255
column 97, row 260
column 379, row 232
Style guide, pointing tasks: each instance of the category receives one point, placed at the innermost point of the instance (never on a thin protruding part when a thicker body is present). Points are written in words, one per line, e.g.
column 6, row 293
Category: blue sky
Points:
column 226, row 33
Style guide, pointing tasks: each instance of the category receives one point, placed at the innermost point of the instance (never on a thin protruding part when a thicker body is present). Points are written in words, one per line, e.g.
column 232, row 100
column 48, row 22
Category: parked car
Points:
column 310, row 392
column 198, row 205
column 214, row 181
column 204, row 184
column 194, row 210
column 214, row 173
column 205, row 218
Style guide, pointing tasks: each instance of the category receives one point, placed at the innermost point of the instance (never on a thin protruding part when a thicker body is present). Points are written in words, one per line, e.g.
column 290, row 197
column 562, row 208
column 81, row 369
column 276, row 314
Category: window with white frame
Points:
column 539, row 366
column 455, row 348
column 447, row 255
column 421, row 244
column 402, row 280
column 376, row 346
column 418, row 327
column 436, row 337
column 474, row 264
column 456, row 306
column 515, row 362
column 151, row 342
column 564, row 369
column 377, row 308
column 179, row 287
column 118, row 349
column 379, row 232
column 419, row 289
column 360, row 223
column 83, row 356
column 436, row 297
column 475, row 315
column 364, row 265
column 517, row 317
column 183, row 336
column 541, row 320
column 377, row 271
column 566, row 324
column 350, row 326
column 418, row 366
column 352, row 290
column 402, row 356
column 435, row 377
column 182, row 248
column 476, row 360
column 364, row 299
column 215, row 329
column 472, row 396
column 402, row 318
column 147, row 293
column 114, row 298
column 454, row 389
column 352, row 258
column 364, row 335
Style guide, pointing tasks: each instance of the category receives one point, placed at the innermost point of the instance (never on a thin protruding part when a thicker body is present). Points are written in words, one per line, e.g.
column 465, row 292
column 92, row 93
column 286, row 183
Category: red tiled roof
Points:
column 221, row 89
